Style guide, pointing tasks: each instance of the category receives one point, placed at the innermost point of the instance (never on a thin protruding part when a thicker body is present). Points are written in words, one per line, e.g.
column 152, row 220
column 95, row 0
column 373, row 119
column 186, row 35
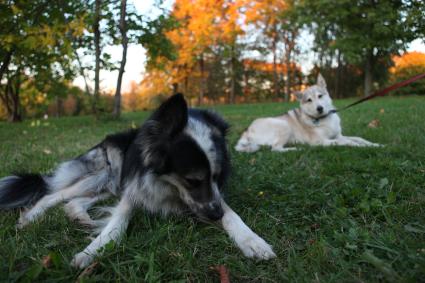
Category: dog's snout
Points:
column 213, row 211
column 320, row 109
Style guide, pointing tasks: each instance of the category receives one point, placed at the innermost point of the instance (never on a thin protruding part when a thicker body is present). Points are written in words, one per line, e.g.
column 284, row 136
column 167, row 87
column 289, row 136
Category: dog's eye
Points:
column 193, row 182
column 309, row 100
column 320, row 96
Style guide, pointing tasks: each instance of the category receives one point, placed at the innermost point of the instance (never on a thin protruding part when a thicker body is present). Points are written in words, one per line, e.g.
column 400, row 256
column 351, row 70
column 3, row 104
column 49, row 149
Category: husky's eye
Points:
column 193, row 182
column 320, row 96
column 309, row 100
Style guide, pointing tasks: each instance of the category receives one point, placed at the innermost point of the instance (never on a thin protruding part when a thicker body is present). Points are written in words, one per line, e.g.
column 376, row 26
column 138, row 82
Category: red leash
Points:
column 384, row 91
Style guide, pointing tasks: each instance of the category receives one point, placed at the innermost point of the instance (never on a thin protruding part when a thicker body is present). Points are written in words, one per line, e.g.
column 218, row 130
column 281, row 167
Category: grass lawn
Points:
column 335, row 214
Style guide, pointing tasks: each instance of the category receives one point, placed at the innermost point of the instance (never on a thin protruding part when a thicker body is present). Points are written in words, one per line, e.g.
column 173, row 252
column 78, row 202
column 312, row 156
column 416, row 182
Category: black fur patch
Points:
column 21, row 190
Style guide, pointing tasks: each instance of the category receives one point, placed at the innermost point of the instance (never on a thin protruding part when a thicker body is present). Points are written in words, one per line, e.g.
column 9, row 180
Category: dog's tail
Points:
column 25, row 189
column 21, row 190
column 91, row 168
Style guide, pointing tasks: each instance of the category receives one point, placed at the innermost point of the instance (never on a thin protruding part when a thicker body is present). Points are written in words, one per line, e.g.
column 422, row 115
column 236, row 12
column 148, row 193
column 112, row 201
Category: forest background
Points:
column 53, row 53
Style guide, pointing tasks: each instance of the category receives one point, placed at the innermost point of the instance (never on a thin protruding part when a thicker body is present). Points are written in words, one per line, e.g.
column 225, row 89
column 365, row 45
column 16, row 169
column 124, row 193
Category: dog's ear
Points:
column 171, row 116
column 299, row 95
column 156, row 134
column 321, row 81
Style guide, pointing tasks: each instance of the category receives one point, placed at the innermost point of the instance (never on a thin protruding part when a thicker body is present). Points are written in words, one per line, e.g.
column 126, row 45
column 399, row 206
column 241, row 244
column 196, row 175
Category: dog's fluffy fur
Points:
column 176, row 162
column 313, row 123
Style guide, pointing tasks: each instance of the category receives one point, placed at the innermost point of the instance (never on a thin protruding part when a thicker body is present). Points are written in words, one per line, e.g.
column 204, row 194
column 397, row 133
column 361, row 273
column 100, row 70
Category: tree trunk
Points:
column 5, row 98
column 338, row 76
column 202, row 88
column 16, row 111
column 288, row 73
column 78, row 106
column 275, row 77
column 97, row 54
column 59, row 106
column 233, row 75
column 123, row 30
column 368, row 79
column 82, row 73
column 246, row 91
column 5, row 63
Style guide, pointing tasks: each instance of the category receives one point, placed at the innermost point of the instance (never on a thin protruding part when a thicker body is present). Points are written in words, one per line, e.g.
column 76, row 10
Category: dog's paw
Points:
column 22, row 221
column 81, row 260
column 283, row 149
column 255, row 247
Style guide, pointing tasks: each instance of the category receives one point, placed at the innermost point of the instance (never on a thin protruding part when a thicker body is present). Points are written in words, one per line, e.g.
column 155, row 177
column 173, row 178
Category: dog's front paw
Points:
column 255, row 247
column 23, row 220
column 81, row 260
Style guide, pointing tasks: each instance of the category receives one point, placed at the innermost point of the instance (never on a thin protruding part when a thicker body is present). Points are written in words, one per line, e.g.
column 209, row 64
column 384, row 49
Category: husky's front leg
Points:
column 248, row 242
column 363, row 142
column 341, row 140
column 113, row 231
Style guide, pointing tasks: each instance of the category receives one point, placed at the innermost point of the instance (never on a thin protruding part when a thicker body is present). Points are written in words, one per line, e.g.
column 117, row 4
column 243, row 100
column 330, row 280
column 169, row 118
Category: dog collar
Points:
column 316, row 120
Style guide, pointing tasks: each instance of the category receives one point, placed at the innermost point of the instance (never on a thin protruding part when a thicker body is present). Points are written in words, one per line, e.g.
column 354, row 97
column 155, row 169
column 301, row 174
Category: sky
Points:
column 136, row 54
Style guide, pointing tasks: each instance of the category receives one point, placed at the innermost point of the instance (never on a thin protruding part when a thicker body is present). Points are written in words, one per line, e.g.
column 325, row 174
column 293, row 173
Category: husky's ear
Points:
column 299, row 95
column 321, row 81
column 171, row 116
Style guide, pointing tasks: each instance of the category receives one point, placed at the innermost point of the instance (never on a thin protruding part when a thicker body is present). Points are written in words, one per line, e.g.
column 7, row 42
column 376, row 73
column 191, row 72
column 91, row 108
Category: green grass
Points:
column 335, row 214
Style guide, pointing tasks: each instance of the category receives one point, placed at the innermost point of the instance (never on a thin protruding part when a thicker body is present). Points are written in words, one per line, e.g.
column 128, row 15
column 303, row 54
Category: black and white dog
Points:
column 176, row 162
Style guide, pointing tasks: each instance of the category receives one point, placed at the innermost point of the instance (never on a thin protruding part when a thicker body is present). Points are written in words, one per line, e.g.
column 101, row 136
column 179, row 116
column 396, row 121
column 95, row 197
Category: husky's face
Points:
column 182, row 151
column 315, row 100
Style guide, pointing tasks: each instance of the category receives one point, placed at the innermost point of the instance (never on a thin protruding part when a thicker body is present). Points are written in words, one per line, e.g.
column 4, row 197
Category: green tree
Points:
column 364, row 32
column 35, row 43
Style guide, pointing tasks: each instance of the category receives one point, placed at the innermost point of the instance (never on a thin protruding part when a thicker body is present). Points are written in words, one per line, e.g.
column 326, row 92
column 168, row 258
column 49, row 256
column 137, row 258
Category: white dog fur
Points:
column 313, row 123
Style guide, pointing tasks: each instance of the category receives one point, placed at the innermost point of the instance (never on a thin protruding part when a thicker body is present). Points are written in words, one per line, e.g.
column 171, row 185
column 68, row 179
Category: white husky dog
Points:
column 315, row 122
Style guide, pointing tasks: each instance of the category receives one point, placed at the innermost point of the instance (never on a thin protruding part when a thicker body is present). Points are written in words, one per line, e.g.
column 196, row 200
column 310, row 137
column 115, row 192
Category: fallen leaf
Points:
column 382, row 111
column 87, row 271
column 315, row 226
column 374, row 123
column 46, row 261
column 260, row 193
column 47, row 151
column 223, row 272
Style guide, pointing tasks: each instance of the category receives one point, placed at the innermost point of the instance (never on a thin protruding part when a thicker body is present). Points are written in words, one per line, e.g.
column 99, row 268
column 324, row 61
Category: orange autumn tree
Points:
column 204, row 27
column 198, row 30
column 211, row 46
column 265, row 16
column 276, row 27
column 406, row 66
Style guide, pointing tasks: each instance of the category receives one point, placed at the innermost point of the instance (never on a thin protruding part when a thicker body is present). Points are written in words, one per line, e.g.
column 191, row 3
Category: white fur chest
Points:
column 155, row 195
column 328, row 128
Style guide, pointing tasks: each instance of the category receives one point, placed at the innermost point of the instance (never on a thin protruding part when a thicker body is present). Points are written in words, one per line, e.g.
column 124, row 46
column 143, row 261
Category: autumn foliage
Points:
column 210, row 41
column 405, row 67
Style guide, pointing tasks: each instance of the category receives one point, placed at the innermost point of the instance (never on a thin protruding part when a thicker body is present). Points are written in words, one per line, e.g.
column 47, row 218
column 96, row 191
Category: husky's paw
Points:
column 81, row 260
column 255, row 247
column 283, row 149
column 247, row 148
column 23, row 220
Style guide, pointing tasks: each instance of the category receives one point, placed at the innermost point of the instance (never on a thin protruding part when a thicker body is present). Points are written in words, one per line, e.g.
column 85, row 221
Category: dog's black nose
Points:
column 213, row 212
column 320, row 109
